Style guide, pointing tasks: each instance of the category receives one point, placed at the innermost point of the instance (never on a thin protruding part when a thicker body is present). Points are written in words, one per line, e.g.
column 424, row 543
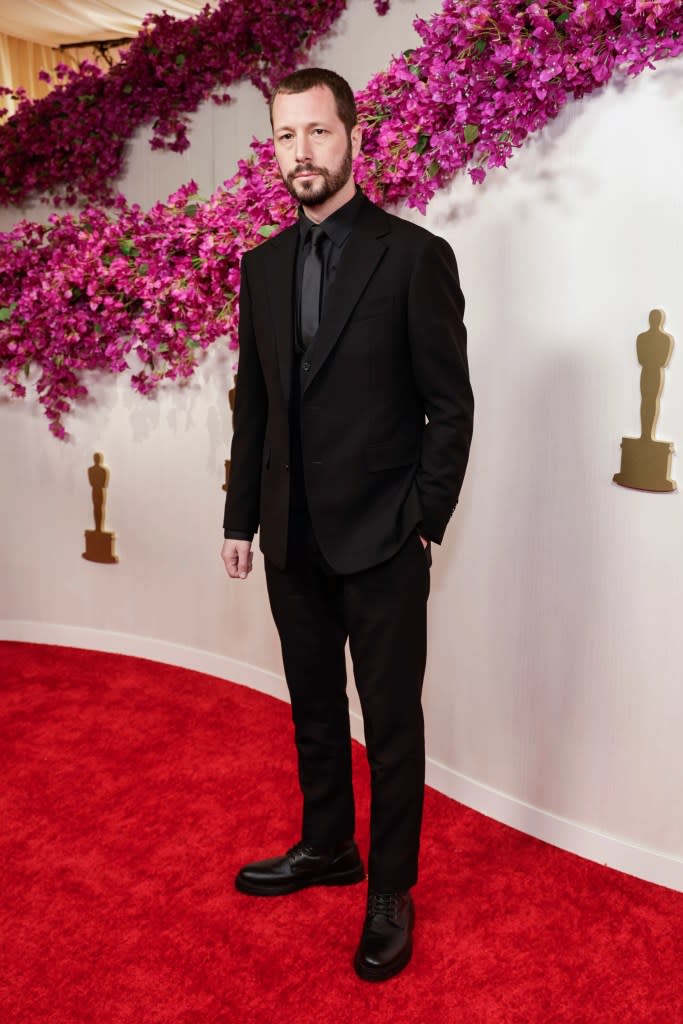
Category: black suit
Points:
column 385, row 410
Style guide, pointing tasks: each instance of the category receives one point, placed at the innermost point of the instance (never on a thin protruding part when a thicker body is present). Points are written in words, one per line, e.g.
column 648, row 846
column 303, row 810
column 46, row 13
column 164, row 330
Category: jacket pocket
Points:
column 390, row 455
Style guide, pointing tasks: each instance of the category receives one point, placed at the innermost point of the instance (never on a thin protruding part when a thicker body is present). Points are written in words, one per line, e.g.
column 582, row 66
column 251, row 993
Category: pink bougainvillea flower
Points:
column 71, row 143
column 126, row 289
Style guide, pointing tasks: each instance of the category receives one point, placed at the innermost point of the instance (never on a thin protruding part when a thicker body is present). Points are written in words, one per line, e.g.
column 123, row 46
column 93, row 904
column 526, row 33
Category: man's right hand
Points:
column 238, row 558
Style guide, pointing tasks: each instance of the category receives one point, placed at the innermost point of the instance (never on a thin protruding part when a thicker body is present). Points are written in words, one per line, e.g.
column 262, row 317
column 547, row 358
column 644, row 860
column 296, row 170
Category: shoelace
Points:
column 384, row 904
column 301, row 849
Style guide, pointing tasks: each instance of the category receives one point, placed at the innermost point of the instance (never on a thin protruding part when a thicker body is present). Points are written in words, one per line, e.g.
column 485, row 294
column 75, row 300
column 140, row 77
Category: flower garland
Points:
column 86, row 291
column 489, row 74
column 71, row 143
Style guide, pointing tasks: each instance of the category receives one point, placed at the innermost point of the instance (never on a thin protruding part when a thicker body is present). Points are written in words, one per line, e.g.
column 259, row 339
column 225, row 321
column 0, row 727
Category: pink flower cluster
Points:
column 490, row 73
column 95, row 289
column 71, row 143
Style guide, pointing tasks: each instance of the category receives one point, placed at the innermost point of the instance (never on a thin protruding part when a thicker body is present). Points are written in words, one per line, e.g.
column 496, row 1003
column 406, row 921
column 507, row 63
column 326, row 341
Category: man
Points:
column 353, row 422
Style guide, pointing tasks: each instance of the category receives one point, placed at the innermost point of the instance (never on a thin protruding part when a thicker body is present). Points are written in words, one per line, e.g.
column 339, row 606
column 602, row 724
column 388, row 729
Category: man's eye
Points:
column 319, row 131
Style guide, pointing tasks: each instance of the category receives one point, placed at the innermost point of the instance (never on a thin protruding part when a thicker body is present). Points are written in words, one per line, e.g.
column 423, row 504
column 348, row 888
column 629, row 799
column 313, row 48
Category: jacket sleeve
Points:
column 251, row 412
column 438, row 343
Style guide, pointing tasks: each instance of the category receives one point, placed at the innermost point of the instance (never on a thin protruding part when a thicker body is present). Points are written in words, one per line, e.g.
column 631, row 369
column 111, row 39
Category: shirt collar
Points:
column 338, row 225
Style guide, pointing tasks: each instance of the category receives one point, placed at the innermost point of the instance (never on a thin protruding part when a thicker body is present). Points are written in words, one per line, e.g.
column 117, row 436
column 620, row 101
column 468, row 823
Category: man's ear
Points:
column 356, row 138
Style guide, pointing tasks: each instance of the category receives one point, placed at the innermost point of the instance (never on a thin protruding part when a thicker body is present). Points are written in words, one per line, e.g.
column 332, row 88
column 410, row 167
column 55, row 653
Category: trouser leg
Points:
column 386, row 615
column 306, row 606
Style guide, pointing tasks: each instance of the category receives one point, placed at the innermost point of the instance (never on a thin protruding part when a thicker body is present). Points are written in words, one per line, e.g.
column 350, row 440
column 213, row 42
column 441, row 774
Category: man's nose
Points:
column 303, row 148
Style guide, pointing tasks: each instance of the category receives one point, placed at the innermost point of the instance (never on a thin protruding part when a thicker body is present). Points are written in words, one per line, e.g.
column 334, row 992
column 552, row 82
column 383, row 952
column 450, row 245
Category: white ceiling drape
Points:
column 58, row 22
column 30, row 31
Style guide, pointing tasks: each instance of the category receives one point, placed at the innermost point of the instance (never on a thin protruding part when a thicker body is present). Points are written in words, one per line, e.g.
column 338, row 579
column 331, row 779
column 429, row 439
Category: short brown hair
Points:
column 309, row 78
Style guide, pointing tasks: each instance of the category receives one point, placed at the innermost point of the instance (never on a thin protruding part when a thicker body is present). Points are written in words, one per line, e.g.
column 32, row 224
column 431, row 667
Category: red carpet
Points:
column 132, row 792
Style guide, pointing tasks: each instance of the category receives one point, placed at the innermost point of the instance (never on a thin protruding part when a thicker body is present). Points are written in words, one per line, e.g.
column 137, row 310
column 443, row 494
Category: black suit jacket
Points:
column 386, row 404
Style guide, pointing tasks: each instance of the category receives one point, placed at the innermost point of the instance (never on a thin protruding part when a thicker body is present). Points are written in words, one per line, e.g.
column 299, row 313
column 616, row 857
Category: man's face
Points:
column 312, row 147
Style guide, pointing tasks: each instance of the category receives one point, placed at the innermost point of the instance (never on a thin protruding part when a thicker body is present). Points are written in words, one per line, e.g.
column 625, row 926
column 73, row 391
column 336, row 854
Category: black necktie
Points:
column 311, row 286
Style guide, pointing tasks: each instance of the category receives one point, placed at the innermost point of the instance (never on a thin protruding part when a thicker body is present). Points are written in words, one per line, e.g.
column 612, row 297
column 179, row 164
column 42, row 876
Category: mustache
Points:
column 305, row 169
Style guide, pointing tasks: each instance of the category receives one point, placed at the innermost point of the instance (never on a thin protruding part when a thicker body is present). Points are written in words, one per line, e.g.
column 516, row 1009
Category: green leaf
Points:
column 433, row 169
column 180, row 59
column 127, row 89
column 504, row 137
column 266, row 230
column 561, row 18
column 128, row 247
column 191, row 209
column 422, row 143
column 471, row 132
column 5, row 313
column 163, row 347
column 143, row 268
column 479, row 46
column 191, row 343
column 197, row 263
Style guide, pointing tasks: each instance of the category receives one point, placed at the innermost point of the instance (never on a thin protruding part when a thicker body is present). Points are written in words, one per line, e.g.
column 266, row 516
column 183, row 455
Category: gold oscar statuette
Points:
column 99, row 543
column 646, row 462
column 231, row 402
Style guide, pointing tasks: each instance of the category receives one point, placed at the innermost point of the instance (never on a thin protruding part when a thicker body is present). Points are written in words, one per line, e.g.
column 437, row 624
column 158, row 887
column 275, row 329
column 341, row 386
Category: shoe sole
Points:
column 340, row 878
column 367, row 973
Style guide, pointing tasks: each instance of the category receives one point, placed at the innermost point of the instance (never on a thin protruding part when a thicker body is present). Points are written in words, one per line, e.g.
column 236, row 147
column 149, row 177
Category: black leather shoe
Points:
column 386, row 944
column 300, row 867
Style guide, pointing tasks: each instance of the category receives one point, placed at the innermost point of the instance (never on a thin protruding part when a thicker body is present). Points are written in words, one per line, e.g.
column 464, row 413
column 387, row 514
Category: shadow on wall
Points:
column 540, row 168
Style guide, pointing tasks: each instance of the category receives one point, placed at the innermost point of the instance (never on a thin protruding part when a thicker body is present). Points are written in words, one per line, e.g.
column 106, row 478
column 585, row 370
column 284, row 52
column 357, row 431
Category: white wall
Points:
column 553, row 697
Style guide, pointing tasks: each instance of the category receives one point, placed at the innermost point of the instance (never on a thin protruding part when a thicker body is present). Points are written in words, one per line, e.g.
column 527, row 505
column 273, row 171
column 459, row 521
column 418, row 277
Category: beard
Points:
column 315, row 193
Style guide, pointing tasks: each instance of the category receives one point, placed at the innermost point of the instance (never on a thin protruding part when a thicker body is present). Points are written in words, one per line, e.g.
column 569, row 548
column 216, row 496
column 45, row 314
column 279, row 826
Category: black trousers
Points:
column 383, row 613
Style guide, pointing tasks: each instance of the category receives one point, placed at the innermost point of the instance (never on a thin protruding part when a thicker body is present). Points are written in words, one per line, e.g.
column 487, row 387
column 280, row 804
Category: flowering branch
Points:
column 71, row 143
column 491, row 73
column 90, row 290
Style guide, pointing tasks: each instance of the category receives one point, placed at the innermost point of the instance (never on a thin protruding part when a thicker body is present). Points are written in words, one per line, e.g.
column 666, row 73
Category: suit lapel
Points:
column 281, row 252
column 362, row 253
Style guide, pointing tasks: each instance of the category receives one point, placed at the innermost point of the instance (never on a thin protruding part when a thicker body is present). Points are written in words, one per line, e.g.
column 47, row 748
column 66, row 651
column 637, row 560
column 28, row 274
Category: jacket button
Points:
column 305, row 366
column 287, row 466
